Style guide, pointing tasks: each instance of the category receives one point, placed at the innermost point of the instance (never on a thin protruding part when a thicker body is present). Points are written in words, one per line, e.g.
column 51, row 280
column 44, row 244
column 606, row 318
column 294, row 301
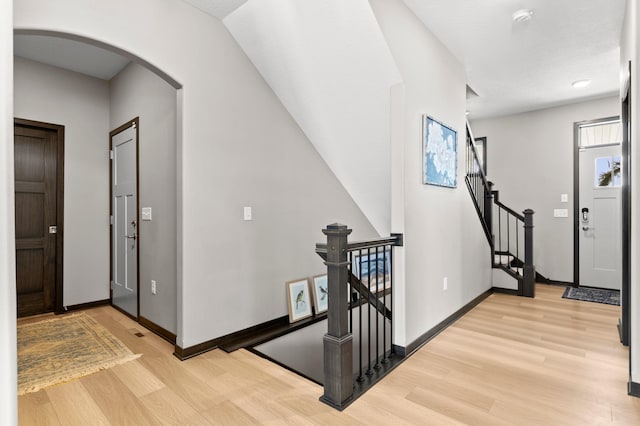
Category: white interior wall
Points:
column 137, row 92
column 442, row 234
column 81, row 104
column 629, row 52
column 530, row 161
column 8, row 358
column 237, row 146
column 329, row 65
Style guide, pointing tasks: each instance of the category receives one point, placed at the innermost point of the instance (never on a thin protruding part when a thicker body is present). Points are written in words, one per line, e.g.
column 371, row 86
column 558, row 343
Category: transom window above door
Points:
column 600, row 133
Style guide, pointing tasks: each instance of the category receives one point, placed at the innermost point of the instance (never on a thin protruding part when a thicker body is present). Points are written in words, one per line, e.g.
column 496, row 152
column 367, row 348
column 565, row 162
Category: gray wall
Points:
column 137, row 92
column 81, row 104
column 237, row 146
column 530, row 160
column 8, row 387
column 443, row 236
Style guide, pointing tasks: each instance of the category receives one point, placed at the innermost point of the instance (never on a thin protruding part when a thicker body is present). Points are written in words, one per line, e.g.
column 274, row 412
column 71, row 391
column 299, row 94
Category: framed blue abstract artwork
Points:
column 439, row 153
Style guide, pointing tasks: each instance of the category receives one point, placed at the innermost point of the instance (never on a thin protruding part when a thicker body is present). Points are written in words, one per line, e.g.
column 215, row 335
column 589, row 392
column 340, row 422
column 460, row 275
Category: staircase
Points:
column 360, row 285
column 358, row 346
column 509, row 233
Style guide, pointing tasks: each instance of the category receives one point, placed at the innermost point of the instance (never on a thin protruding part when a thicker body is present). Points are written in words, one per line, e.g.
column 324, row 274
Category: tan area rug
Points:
column 62, row 349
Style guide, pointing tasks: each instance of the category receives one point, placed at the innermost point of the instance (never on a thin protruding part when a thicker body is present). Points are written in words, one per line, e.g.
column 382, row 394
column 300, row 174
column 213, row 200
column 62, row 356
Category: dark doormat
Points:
column 610, row 297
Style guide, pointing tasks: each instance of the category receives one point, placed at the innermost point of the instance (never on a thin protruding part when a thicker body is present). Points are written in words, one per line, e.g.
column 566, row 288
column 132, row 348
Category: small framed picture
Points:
column 299, row 299
column 320, row 293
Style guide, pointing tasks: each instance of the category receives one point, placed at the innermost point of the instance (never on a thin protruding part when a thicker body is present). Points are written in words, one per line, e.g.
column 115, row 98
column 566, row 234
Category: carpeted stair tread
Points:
column 503, row 259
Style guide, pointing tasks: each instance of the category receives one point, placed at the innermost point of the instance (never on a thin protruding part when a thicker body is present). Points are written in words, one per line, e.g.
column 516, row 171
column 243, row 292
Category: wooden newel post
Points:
column 338, row 342
column 529, row 271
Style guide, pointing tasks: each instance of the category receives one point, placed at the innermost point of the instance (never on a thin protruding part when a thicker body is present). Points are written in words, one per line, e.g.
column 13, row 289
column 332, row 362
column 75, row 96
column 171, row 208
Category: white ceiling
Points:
column 71, row 55
column 527, row 66
column 512, row 67
column 218, row 8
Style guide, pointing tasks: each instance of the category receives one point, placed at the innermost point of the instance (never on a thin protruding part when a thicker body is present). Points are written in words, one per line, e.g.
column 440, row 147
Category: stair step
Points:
column 512, row 270
column 517, row 270
column 503, row 259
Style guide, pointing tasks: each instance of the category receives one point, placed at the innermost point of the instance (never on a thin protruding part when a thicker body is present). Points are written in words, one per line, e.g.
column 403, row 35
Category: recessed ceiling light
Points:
column 581, row 83
column 522, row 15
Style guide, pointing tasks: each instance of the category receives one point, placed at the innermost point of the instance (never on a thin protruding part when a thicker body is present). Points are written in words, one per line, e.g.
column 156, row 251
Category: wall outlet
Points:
column 247, row 213
column 564, row 198
column 154, row 290
column 445, row 285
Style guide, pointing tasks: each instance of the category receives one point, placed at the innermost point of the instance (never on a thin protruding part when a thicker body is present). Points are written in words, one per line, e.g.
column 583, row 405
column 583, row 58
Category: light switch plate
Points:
column 560, row 213
column 564, row 198
column 247, row 213
column 146, row 213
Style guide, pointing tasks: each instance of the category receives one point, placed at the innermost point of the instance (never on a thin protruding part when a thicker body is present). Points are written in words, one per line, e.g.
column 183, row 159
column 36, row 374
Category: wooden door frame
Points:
column 576, row 193
column 112, row 133
column 59, row 129
column 624, row 325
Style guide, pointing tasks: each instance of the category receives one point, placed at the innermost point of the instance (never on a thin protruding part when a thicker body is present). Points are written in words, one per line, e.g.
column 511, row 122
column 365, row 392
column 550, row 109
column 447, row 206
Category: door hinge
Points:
column 110, row 154
column 111, row 220
column 111, row 283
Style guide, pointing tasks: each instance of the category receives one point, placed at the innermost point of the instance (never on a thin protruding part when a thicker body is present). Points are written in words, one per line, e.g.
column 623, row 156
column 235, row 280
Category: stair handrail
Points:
column 481, row 189
column 472, row 143
column 485, row 200
column 510, row 210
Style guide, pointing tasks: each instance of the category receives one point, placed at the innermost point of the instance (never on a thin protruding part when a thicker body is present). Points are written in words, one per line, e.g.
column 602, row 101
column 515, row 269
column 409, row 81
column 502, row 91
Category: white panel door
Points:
column 599, row 217
column 124, row 228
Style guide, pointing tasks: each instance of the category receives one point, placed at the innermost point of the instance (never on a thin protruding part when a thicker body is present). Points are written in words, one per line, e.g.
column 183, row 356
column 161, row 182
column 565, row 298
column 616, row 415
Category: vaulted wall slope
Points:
column 328, row 63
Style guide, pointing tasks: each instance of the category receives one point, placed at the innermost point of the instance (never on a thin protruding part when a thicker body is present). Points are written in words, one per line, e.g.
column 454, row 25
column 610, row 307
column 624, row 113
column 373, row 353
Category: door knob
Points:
column 133, row 236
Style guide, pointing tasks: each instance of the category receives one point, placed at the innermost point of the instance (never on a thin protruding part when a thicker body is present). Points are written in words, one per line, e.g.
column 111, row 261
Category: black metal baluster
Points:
column 350, row 267
column 377, row 318
column 517, row 243
column 468, row 160
column 369, row 279
column 500, row 232
column 466, row 166
column 360, row 378
column 384, row 305
column 508, row 238
column 391, row 350
column 476, row 188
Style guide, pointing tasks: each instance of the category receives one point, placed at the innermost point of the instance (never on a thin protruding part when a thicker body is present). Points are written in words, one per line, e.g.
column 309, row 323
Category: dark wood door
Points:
column 36, row 198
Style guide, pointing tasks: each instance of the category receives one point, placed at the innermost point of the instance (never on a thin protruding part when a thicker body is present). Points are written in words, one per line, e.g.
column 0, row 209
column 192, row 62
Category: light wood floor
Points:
column 510, row 361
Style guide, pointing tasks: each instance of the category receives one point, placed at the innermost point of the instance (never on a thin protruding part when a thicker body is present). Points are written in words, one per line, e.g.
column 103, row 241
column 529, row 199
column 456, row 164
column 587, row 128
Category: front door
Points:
column 38, row 184
column 599, row 216
column 124, row 218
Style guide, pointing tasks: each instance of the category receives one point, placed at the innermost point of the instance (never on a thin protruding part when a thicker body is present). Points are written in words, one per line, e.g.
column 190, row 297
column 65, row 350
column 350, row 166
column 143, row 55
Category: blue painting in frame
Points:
column 439, row 153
